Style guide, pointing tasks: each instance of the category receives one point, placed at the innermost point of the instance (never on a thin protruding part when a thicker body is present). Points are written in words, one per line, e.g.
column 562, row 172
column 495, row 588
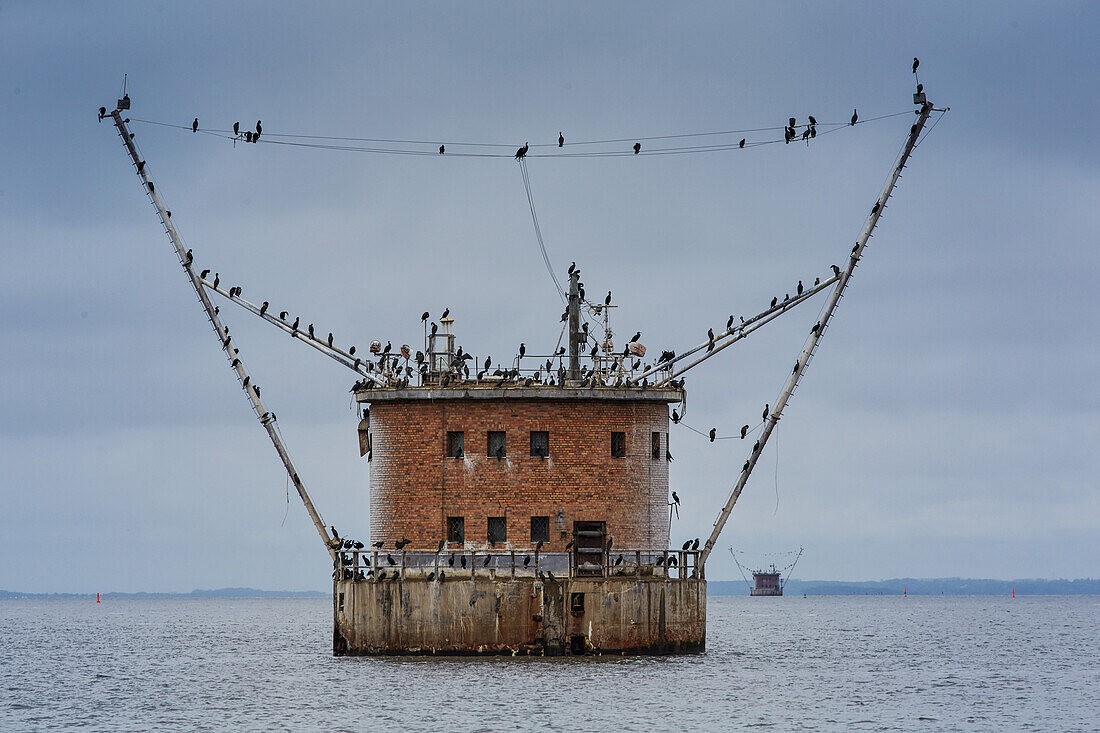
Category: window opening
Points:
column 540, row 443
column 497, row 447
column 455, row 440
column 540, row 529
column 498, row 530
column 618, row 445
column 456, row 529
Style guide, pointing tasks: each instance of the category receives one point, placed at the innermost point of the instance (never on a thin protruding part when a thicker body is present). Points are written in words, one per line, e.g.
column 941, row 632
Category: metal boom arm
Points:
column 815, row 336
column 267, row 419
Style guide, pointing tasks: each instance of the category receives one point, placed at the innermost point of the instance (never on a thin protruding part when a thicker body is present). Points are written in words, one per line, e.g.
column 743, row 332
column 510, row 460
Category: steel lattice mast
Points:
column 266, row 418
column 772, row 418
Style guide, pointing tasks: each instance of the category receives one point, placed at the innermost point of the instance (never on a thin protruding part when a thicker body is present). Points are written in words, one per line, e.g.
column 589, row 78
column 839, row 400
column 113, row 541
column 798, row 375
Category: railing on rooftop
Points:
column 609, row 370
column 372, row 564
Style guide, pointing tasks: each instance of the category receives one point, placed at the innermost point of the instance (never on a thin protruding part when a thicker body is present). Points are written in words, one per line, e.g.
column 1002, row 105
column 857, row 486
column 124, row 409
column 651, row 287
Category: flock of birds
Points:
column 347, row 567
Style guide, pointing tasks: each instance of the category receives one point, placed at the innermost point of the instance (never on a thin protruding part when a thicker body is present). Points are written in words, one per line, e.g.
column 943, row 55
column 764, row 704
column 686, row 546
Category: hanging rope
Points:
column 538, row 230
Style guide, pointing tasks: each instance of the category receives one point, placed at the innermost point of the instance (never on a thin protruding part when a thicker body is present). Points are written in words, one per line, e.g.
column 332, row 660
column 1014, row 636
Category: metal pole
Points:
column 815, row 336
column 574, row 309
column 267, row 419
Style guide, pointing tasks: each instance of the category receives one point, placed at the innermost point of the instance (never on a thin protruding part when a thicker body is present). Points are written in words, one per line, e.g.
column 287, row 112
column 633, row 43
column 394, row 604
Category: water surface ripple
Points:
column 819, row 663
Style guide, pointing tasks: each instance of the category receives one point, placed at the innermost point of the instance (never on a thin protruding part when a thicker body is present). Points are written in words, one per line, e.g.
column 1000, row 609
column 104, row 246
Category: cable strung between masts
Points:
column 333, row 352
column 731, row 335
column 432, row 146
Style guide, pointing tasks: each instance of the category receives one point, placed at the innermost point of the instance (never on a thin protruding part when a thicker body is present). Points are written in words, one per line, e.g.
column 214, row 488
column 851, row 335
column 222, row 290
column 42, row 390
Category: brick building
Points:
column 506, row 467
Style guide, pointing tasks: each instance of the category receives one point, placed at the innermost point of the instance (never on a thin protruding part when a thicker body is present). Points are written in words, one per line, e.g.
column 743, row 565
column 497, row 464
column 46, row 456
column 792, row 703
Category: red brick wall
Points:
column 414, row 487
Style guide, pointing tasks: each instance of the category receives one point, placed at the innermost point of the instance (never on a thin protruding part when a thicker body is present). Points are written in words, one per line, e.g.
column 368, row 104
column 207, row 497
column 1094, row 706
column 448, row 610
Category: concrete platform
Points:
column 520, row 615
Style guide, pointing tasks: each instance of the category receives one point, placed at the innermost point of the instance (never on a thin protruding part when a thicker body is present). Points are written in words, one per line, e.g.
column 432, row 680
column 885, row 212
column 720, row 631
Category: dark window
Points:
column 455, row 444
column 456, row 529
column 497, row 447
column 498, row 530
column 618, row 445
column 540, row 443
column 540, row 529
column 655, row 446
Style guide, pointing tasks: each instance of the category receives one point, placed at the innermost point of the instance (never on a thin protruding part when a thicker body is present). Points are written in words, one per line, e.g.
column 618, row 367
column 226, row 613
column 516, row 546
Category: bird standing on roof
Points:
column 522, row 152
column 195, row 125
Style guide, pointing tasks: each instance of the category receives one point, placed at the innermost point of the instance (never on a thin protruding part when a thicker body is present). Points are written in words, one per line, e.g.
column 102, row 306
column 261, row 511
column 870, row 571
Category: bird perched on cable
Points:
column 236, row 128
column 637, row 148
column 713, row 434
column 195, row 125
column 561, row 140
column 764, row 415
column 248, row 136
column 744, row 431
column 258, row 128
column 855, row 117
column 916, row 63
column 710, row 339
column 102, row 112
column 442, row 149
column 294, row 326
column 522, row 349
column 522, row 152
column 742, row 143
column 812, row 120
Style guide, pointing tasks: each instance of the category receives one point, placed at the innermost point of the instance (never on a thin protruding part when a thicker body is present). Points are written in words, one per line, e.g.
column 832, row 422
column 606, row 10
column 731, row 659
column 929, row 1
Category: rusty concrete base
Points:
column 521, row 615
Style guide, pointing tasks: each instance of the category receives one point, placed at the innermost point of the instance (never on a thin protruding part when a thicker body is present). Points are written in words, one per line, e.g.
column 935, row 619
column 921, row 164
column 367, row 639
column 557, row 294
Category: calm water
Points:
column 824, row 663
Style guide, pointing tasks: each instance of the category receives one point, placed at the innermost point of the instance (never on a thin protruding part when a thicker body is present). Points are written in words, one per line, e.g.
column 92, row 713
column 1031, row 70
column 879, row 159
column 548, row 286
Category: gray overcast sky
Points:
column 948, row 425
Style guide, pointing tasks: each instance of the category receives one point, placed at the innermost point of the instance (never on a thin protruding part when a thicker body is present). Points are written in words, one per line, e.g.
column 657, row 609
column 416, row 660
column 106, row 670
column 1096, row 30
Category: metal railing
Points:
column 372, row 564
